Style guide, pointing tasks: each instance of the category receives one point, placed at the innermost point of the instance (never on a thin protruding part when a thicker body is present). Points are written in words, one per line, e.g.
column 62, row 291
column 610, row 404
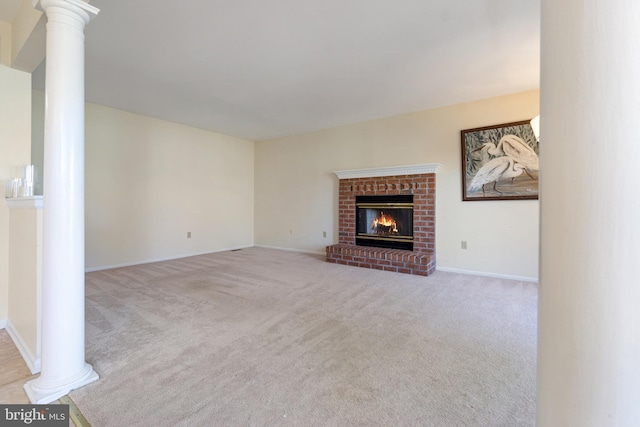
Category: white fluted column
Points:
column 63, row 346
column 589, row 305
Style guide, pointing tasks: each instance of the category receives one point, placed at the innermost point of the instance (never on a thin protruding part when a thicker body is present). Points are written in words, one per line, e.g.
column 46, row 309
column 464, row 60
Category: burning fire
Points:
column 387, row 223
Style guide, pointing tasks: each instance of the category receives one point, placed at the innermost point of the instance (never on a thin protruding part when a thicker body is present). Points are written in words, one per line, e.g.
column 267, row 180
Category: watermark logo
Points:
column 34, row 415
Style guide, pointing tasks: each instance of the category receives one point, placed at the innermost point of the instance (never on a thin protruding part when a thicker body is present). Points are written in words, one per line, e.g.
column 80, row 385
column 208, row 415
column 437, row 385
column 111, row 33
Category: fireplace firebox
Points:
column 385, row 221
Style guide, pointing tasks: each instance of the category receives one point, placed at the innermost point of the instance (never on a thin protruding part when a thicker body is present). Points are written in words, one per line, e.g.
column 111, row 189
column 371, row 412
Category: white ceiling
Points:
column 262, row 69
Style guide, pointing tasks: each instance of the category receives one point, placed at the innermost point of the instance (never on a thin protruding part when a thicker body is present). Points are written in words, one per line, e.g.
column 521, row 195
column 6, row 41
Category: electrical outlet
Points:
column 292, row 232
column 188, row 234
column 324, row 234
column 463, row 244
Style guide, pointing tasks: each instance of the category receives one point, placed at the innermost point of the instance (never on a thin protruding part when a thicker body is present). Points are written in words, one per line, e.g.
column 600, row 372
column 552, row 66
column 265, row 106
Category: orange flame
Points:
column 386, row 221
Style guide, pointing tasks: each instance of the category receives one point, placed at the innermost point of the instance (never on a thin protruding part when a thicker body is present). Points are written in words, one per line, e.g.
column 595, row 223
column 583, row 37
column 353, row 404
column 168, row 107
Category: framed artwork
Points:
column 500, row 162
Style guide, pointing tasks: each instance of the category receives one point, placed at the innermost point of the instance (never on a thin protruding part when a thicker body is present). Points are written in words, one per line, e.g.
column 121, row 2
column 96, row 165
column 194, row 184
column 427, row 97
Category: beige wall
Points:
column 25, row 237
column 37, row 138
column 15, row 148
column 297, row 190
column 5, row 43
column 149, row 182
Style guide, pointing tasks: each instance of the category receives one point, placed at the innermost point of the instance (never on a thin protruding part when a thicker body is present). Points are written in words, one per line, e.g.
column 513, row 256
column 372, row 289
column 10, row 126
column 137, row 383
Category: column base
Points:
column 39, row 394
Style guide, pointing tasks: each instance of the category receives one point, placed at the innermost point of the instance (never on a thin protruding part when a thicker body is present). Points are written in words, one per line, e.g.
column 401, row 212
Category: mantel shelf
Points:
column 389, row 171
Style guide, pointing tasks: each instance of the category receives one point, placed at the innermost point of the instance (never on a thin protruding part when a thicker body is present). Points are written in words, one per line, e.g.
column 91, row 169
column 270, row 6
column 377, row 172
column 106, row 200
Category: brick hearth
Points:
column 422, row 259
column 410, row 262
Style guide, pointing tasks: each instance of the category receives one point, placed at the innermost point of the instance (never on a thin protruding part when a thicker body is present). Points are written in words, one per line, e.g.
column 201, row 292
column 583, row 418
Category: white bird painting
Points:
column 514, row 147
column 494, row 170
column 500, row 162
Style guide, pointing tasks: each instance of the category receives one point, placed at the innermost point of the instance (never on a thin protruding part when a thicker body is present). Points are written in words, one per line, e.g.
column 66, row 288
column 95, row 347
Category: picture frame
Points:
column 500, row 162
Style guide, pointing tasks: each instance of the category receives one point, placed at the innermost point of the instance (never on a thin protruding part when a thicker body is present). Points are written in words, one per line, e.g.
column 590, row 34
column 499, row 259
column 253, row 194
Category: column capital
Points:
column 79, row 7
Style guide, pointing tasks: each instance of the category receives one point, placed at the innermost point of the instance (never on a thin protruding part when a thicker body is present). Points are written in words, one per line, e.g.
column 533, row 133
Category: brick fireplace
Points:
column 418, row 181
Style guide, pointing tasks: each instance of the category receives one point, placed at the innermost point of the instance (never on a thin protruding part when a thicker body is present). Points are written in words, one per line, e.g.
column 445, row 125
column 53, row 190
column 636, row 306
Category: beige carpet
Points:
column 268, row 338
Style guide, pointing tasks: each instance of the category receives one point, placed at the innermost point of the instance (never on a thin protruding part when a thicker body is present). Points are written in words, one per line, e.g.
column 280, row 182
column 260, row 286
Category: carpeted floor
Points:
column 267, row 338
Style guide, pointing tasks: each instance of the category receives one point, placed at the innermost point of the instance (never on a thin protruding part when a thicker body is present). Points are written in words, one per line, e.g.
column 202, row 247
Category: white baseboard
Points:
column 149, row 261
column 482, row 273
column 301, row 251
column 3, row 323
column 33, row 362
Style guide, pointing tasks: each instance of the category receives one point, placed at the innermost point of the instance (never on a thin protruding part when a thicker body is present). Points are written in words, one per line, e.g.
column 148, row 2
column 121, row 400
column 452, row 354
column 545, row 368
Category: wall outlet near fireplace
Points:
column 463, row 244
column 292, row 232
column 324, row 234
column 188, row 234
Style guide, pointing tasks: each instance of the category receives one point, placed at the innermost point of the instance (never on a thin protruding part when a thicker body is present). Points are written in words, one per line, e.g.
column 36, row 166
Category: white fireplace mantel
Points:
column 389, row 171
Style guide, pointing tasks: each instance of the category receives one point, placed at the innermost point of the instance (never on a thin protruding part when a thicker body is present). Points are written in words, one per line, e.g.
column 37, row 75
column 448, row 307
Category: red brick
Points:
column 423, row 188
